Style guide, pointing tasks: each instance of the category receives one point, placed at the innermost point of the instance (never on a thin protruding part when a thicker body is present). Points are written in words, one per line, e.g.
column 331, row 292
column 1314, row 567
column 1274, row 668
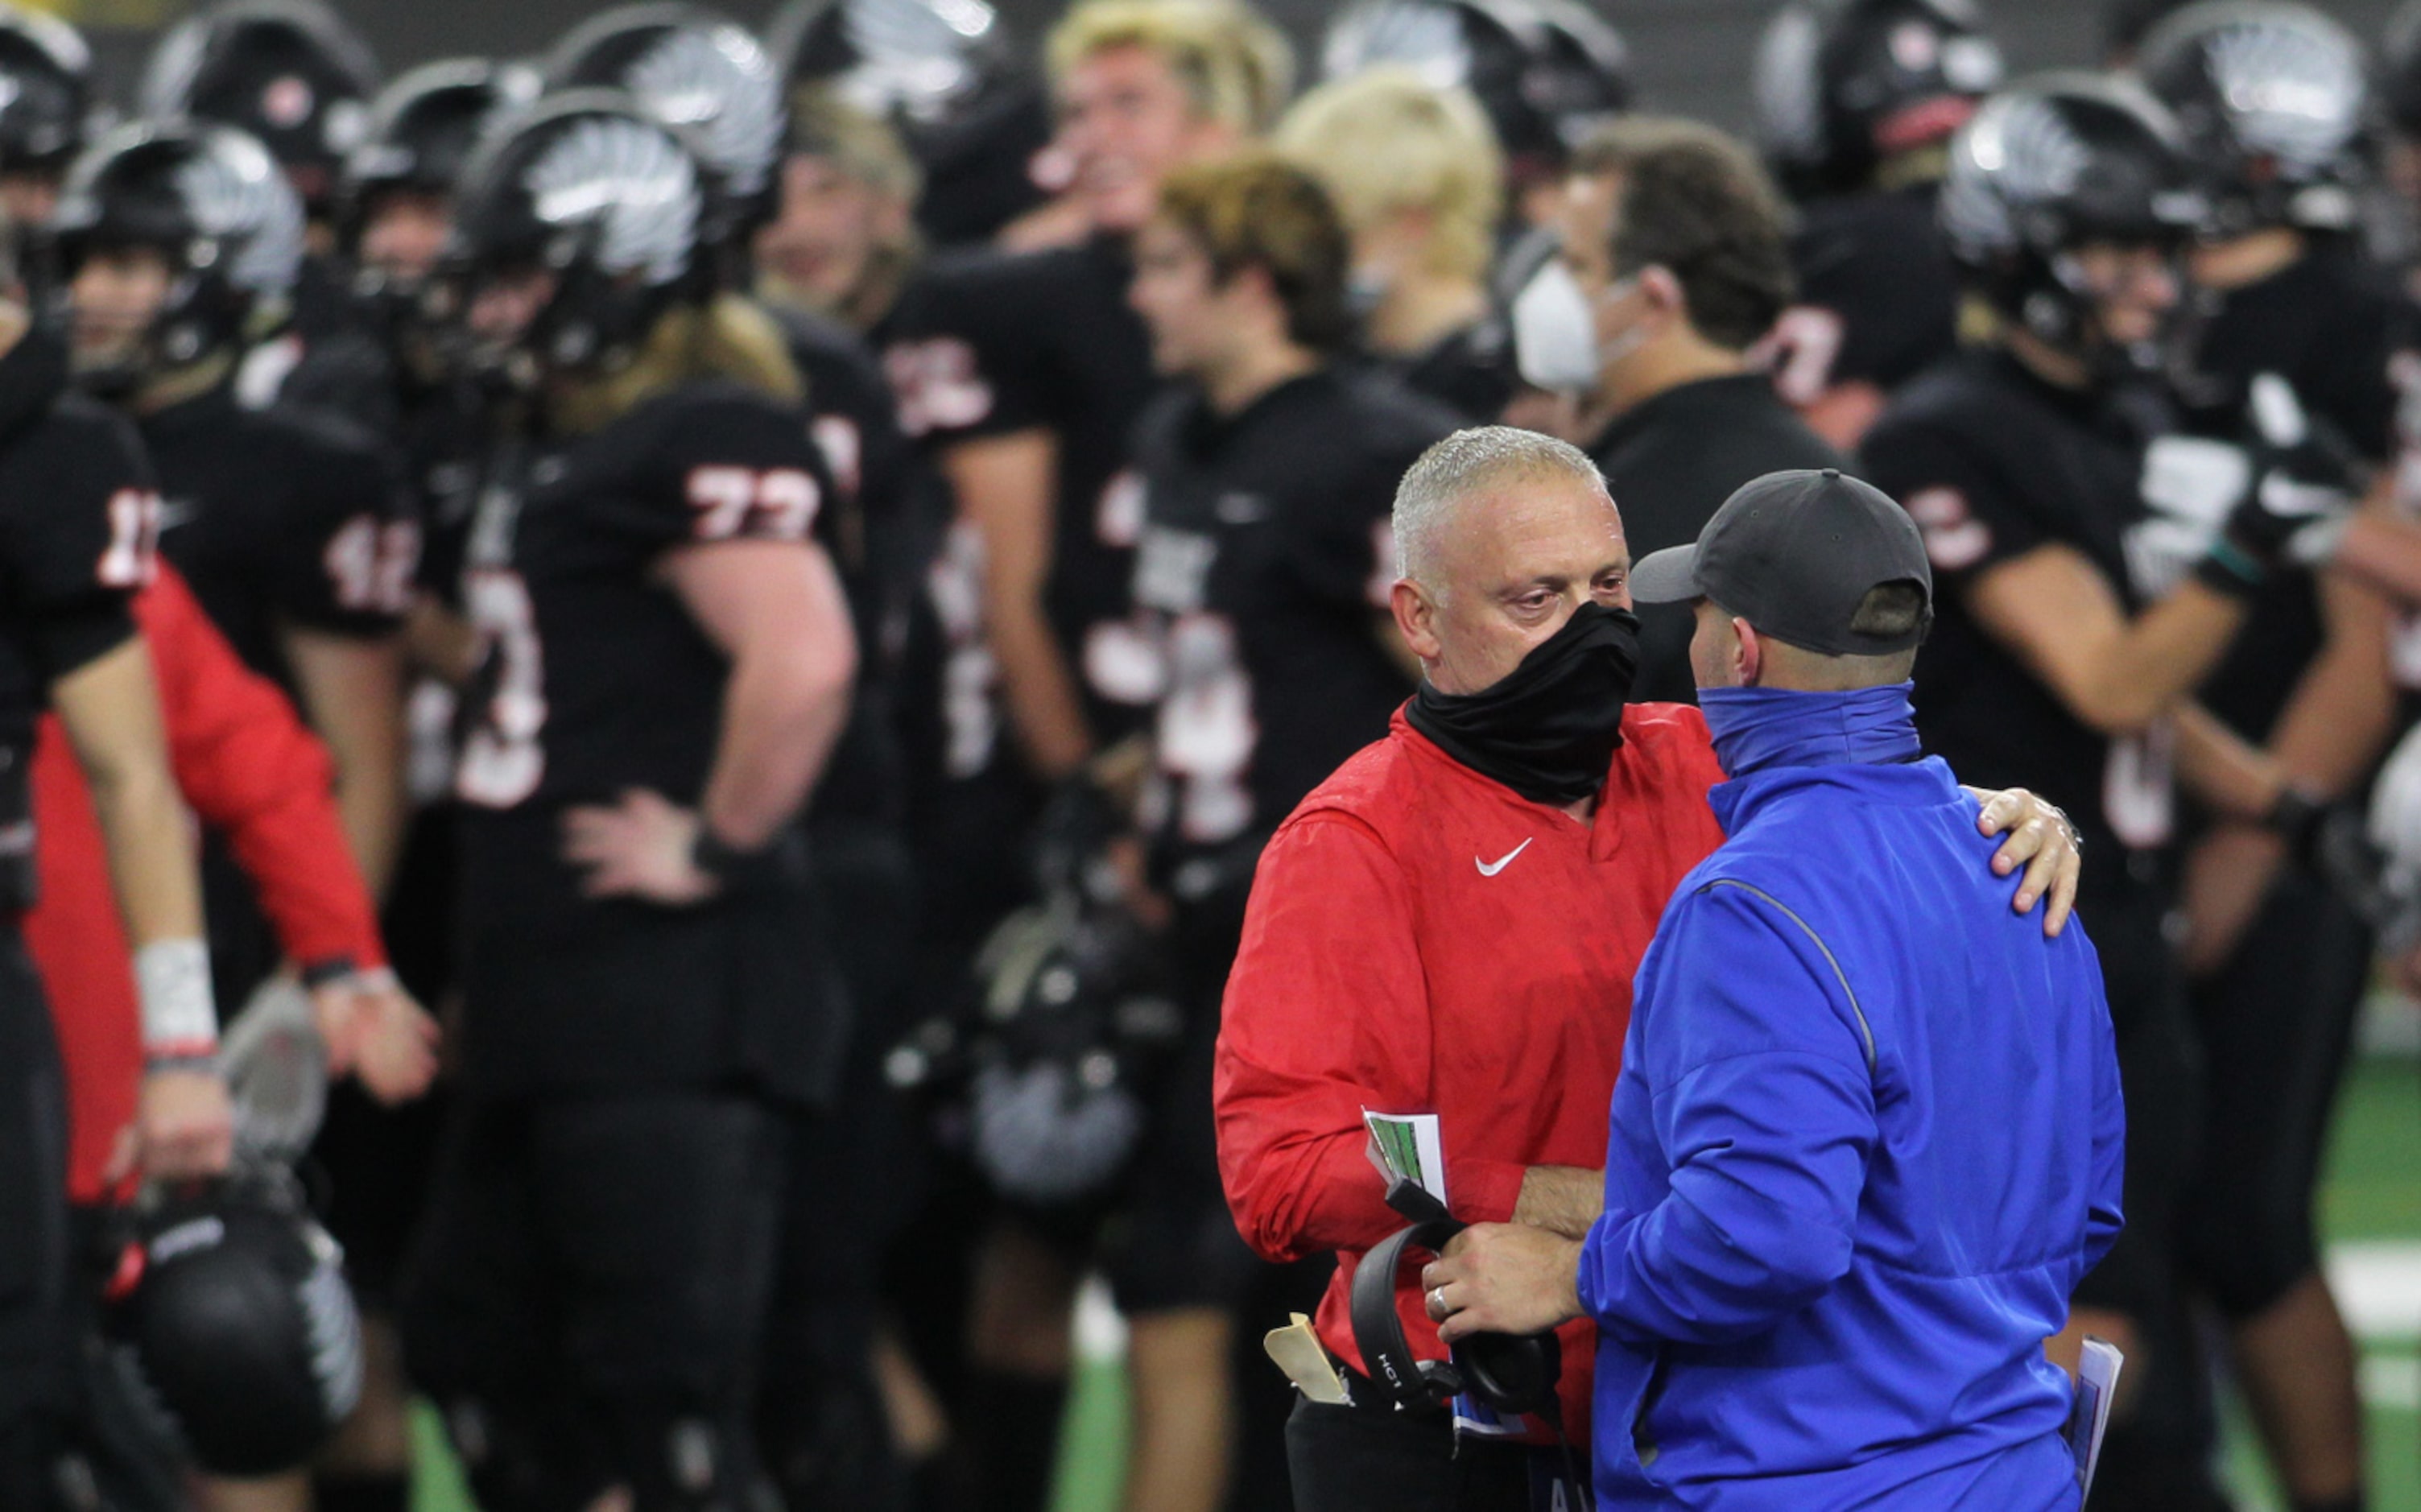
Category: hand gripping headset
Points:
column 1515, row 1373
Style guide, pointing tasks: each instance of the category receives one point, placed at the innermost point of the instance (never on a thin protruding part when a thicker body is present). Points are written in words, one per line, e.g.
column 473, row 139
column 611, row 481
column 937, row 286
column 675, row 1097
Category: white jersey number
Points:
column 502, row 759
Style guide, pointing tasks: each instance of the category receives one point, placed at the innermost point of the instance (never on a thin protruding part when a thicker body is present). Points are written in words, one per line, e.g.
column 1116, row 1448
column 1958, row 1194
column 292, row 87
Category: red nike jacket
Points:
column 250, row 770
column 1421, row 939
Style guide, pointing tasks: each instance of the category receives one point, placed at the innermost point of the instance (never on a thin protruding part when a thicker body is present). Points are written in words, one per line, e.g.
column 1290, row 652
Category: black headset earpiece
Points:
column 1512, row 1373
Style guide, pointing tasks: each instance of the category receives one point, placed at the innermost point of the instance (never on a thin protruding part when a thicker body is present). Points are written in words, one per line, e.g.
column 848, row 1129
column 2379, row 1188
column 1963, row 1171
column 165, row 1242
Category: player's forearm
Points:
column 782, row 711
column 2160, row 657
column 112, row 719
column 2234, row 778
column 2343, row 710
column 1044, row 708
column 353, row 692
column 2384, row 551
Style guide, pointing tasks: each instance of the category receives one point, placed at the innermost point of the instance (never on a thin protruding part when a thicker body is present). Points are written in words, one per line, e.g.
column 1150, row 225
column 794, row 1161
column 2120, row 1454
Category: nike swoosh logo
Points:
column 1492, row 868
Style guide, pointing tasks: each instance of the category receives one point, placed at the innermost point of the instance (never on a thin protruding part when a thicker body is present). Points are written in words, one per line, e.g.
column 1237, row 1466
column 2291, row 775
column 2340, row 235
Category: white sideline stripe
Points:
column 1101, row 1332
column 2391, row 1381
column 2378, row 1286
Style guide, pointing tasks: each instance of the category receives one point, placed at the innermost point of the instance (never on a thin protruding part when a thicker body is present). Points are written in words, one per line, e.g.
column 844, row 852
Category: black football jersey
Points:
column 282, row 517
column 2341, row 335
column 596, row 680
column 1670, row 462
column 1264, row 564
column 1992, row 462
column 1878, row 296
column 445, row 435
column 331, row 354
column 1469, row 370
column 880, row 523
column 78, row 518
column 991, row 344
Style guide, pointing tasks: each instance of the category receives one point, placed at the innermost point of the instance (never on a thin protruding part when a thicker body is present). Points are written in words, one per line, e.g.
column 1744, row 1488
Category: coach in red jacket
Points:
column 1450, row 925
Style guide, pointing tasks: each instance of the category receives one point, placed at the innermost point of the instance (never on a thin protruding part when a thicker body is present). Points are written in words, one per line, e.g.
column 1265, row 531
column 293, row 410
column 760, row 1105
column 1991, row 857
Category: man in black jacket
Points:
column 1675, row 261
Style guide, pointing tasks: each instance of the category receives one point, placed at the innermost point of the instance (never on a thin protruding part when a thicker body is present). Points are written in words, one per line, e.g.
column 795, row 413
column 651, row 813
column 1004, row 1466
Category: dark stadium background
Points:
column 1690, row 56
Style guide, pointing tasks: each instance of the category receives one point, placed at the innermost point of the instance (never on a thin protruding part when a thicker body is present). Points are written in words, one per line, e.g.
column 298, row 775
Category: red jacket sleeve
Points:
column 250, row 770
column 1327, row 1014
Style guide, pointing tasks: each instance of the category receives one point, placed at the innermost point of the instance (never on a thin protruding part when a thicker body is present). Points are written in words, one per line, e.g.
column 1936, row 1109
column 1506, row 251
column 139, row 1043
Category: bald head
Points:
column 1500, row 535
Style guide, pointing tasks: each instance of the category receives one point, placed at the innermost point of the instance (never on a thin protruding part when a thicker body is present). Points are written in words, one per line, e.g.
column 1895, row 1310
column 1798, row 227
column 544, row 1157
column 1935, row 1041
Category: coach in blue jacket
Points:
column 1866, row 1137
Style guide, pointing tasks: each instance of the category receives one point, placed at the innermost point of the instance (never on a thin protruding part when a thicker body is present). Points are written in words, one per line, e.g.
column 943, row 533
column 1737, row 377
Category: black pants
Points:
column 2275, row 1024
column 1367, row 1459
column 34, row 1327
column 589, row 1294
column 2156, row 1459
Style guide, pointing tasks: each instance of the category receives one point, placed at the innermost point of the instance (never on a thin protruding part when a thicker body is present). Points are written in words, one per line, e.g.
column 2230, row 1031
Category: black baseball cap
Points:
column 1794, row 554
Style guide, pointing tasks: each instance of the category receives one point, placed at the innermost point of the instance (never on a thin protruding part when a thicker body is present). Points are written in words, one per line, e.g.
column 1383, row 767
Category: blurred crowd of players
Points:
column 817, row 559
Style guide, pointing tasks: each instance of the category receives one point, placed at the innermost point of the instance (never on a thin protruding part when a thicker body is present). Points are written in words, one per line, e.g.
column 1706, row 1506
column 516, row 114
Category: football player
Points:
column 955, row 82
column 2074, row 621
column 291, row 528
column 44, row 116
column 296, row 77
column 1855, row 100
column 819, row 1403
column 2272, row 100
column 1259, row 645
column 667, row 665
column 1417, row 174
column 81, row 515
column 1023, row 375
column 1548, row 72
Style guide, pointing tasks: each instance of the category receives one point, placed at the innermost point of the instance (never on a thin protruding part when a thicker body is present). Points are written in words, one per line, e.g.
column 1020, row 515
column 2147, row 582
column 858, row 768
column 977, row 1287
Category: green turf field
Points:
column 2372, row 1211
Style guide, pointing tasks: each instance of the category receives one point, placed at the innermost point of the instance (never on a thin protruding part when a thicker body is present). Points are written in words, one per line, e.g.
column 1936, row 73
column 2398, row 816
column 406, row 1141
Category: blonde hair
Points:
column 863, row 147
column 1385, row 140
column 727, row 337
column 1239, row 67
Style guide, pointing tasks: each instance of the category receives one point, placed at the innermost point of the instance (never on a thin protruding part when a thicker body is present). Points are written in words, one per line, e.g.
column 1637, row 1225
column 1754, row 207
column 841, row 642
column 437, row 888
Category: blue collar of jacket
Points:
column 1758, row 730
column 1754, row 729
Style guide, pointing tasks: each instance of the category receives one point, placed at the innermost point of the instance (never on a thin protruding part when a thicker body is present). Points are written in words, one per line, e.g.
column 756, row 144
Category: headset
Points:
column 1515, row 1373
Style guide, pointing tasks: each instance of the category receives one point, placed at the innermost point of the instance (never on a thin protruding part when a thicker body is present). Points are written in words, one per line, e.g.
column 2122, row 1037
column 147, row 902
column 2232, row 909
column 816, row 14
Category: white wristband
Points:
column 172, row 982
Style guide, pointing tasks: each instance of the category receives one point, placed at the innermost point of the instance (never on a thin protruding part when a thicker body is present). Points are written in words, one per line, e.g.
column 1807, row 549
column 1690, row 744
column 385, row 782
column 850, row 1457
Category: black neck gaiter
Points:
column 1547, row 728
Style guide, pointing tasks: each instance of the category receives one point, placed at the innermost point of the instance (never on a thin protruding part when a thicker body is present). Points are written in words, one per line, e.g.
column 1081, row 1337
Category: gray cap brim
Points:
column 1669, row 576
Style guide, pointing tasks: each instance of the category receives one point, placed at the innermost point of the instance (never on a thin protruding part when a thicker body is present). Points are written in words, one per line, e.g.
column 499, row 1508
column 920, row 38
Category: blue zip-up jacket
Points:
column 1867, row 1140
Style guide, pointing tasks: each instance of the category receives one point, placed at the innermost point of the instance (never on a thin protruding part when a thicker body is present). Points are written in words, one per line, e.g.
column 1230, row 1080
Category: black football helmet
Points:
column 1547, row 71
column 45, row 91
column 2271, row 99
column 237, row 1314
column 949, row 77
column 2047, row 167
column 592, row 188
column 212, row 200
column 1842, row 85
column 700, row 72
column 288, row 71
column 423, row 128
column 1045, row 1068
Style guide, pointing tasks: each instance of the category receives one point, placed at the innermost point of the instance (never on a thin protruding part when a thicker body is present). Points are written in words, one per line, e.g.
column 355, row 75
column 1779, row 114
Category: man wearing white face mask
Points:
column 1675, row 262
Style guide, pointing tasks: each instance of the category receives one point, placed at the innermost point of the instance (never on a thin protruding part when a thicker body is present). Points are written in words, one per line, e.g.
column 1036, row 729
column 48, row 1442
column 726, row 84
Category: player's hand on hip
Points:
column 642, row 846
column 2043, row 841
column 1502, row 1278
column 185, row 1126
column 389, row 1043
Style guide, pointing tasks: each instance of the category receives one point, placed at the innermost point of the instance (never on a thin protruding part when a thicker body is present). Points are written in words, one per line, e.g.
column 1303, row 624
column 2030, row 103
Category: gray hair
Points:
column 1462, row 465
